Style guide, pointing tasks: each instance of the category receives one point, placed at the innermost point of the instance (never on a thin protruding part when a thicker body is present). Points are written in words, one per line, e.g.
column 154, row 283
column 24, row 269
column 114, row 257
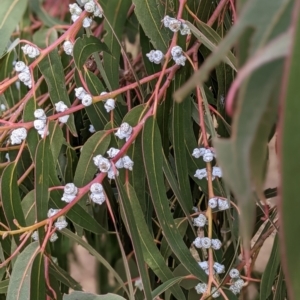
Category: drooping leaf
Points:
column 11, row 13
column 147, row 12
column 152, row 153
column 11, row 200
column 42, row 183
column 85, row 46
column 20, row 280
column 289, row 166
column 270, row 272
column 135, row 237
column 38, row 283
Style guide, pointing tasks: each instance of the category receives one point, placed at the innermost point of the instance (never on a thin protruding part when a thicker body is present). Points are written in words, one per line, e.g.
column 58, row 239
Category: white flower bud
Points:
column 24, row 77
column 215, row 292
column 223, row 204
column 176, row 51
column 213, row 202
column 52, row 212
column 75, row 9
column 180, row 61
column 234, row 273
column 68, row 47
column 64, row 119
column 119, row 164
column 20, row 66
column 216, row 244
column 174, row 25
column 102, row 163
column 109, row 105
column 87, row 22
column 112, row 152
column 53, row 237
column 128, row 163
column 217, row 172
column 68, row 198
column 7, row 157
column 39, row 124
column 139, row 284
column 197, row 242
column 74, row 18
column 111, row 174
column 87, row 100
column 96, row 188
column 206, row 242
column 197, row 152
column 80, row 92
column 208, row 156
column 31, row 51
column 2, row 107
column 200, row 173
column 239, row 283
column 234, row 289
column 184, row 30
column 166, row 20
column 219, row 268
column 90, row 6
column 43, row 133
column 61, row 223
column 92, row 129
column 201, row 288
column 98, row 12
column 124, row 131
column 70, row 189
column 98, row 198
column 155, row 56
column 195, row 209
column 18, row 135
column 40, row 114
column 60, row 106
column 200, row 221
column 35, row 236
column 203, row 265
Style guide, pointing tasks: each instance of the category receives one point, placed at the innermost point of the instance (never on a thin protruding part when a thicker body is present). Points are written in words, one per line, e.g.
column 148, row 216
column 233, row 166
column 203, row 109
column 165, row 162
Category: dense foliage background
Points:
column 153, row 159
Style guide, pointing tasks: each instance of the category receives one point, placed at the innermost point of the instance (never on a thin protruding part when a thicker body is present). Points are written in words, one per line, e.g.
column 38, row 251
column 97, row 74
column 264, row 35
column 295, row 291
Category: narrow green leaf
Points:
column 135, row 237
column 64, row 277
column 166, row 286
column 174, row 186
column 28, row 207
column 38, row 283
column 52, row 69
column 97, row 255
column 11, row 13
column 289, row 165
column 116, row 15
column 56, row 139
column 147, row 12
column 47, row 20
column 84, row 47
column 178, row 119
column 4, row 286
column 11, row 201
column 270, row 272
column 152, row 256
column 88, row 296
column 152, row 153
column 41, row 183
column 19, row 284
column 211, row 39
